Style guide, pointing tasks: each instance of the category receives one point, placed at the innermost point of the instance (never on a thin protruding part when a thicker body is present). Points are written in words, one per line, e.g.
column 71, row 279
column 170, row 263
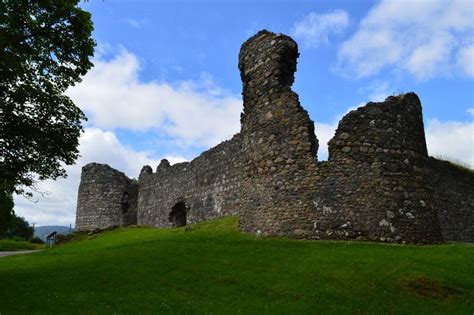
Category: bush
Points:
column 63, row 238
column 36, row 240
column 16, row 239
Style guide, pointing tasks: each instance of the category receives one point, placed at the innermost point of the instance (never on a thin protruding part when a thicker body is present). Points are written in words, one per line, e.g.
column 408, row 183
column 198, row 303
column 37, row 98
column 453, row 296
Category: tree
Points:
column 45, row 47
column 6, row 211
column 19, row 227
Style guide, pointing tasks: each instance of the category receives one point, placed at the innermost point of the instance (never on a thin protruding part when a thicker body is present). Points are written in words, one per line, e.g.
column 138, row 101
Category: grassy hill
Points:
column 212, row 268
column 14, row 245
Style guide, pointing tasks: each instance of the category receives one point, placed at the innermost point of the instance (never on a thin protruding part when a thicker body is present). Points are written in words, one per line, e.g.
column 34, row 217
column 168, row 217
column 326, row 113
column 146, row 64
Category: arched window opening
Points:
column 178, row 214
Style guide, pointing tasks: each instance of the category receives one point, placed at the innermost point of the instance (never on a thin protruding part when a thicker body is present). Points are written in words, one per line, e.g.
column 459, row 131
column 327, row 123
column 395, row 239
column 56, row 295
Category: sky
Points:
column 165, row 82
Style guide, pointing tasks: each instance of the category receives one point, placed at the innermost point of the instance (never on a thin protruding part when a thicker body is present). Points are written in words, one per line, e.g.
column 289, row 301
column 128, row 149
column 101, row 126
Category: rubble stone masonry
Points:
column 379, row 184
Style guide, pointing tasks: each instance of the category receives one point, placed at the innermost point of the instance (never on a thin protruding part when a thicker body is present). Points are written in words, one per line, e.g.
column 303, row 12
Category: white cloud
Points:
column 451, row 139
column 465, row 59
column 133, row 23
column 96, row 145
column 191, row 112
column 324, row 133
column 470, row 111
column 419, row 37
column 375, row 91
column 314, row 29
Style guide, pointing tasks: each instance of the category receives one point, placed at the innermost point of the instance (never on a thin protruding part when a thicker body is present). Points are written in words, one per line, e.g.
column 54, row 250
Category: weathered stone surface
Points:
column 107, row 198
column 209, row 186
column 375, row 188
column 379, row 183
column 453, row 200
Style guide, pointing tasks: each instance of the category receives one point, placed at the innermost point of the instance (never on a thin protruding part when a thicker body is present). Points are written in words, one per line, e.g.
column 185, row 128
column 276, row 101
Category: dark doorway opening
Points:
column 124, row 203
column 178, row 214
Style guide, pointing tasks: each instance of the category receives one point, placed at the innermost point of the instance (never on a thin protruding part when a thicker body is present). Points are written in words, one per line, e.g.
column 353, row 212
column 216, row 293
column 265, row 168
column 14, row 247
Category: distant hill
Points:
column 43, row 231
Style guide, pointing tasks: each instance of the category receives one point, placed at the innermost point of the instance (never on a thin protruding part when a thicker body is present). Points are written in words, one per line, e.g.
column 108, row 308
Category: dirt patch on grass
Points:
column 427, row 287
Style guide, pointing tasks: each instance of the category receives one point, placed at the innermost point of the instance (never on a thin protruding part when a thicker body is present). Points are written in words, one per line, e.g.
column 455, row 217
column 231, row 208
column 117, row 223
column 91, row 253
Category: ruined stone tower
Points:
column 106, row 198
column 378, row 184
column 279, row 146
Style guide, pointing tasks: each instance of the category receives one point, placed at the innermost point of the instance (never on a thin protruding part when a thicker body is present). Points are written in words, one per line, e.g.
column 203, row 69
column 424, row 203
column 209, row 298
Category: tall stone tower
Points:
column 279, row 146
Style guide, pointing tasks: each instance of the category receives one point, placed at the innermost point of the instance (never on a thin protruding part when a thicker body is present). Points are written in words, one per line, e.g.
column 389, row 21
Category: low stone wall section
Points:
column 210, row 186
column 453, row 200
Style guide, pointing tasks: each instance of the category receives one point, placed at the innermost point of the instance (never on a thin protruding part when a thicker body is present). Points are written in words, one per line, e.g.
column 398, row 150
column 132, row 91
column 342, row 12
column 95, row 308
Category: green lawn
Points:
column 12, row 245
column 215, row 269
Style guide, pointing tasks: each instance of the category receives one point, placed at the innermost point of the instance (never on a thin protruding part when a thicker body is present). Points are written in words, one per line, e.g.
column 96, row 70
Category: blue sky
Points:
column 166, row 83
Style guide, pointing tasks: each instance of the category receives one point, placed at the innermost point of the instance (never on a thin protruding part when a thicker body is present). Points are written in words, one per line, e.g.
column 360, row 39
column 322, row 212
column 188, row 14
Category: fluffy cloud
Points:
column 132, row 22
column 314, row 29
column 465, row 59
column 453, row 140
column 58, row 206
column 324, row 132
column 423, row 38
column 376, row 91
column 197, row 113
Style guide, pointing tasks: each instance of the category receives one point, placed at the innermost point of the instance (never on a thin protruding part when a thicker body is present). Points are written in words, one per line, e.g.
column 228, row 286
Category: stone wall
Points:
column 107, row 198
column 279, row 145
column 375, row 184
column 209, row 186
column 453, row 200
column 378, row 184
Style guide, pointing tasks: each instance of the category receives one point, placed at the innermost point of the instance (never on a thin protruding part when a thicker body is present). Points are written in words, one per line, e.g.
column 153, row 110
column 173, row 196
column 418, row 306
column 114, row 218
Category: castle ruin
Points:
column 379, row 184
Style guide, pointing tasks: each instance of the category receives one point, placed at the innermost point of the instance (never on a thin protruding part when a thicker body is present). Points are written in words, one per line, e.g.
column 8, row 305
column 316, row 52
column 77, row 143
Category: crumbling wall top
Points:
column 392, row 126
column 267, row 60
column 103, row 172
column 146, row 170
column 164, row 164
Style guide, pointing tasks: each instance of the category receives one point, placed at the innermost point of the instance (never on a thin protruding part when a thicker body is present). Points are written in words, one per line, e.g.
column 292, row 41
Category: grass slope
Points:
column 12, row 245
column 215, row 269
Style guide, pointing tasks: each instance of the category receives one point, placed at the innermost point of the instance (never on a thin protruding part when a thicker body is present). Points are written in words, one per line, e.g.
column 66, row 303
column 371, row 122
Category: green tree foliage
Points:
column 6, row 211
column 45, row 46
column 19, row 228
